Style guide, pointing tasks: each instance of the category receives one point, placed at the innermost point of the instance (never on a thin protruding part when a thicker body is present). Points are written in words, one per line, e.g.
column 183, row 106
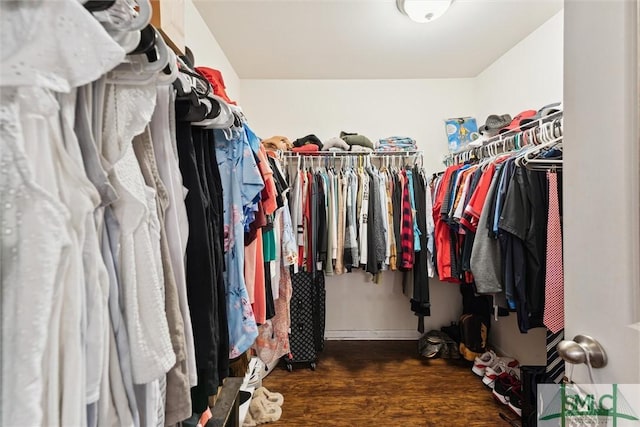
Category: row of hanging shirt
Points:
column 359, row 216
column 57, row 288
column 345, row 217
column 497, row 224
column 123, row 224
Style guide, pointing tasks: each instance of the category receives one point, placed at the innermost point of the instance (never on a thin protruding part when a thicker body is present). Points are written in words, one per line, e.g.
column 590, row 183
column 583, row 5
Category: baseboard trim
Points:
column 372, row 335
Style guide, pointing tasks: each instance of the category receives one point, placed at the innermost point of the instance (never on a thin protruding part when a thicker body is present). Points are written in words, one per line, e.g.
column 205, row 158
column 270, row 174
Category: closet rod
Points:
column 352, row 153
column 500, row 138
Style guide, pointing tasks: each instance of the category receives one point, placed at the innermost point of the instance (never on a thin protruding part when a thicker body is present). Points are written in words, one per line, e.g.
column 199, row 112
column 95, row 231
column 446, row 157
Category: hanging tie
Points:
column 555, row 365
column 554, row 283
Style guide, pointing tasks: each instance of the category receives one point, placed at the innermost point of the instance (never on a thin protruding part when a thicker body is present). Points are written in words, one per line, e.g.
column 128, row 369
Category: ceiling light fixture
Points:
column 423, row 10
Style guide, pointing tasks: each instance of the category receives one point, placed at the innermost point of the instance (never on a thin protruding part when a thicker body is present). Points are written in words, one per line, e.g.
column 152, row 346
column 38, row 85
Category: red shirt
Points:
column 442, row 232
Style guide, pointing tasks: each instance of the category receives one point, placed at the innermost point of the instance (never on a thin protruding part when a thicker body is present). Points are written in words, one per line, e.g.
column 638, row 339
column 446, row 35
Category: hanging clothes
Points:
column 407, row 238
column 201, row 274
column 354, row 218
column 273, row 340
column 420, row 304
column 235, row 159
column 134, row 207
column 491, row 229
column 368, row 218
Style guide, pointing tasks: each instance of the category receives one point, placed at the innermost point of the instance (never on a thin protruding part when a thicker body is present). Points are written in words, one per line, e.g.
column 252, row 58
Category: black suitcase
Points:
column 319, row 310
column 307, row 309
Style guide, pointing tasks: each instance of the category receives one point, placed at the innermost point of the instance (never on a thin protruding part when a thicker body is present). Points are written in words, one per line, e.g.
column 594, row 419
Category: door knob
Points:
column 582, row 349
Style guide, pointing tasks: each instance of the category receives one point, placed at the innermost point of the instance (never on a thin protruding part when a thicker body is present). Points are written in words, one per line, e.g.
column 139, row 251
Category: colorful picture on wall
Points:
column 460, row 132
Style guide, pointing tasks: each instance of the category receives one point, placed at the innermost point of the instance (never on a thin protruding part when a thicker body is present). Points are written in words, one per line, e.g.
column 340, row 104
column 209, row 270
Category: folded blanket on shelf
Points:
column 396, row 143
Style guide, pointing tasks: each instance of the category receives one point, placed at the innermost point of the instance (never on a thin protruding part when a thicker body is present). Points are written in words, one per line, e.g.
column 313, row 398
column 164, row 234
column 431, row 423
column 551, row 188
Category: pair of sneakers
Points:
column 508, row 391
column 253, row 378
column 489, row 366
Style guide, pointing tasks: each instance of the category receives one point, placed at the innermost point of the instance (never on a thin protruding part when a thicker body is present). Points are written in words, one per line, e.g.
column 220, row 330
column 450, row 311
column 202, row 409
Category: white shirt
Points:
column 384, row 208
column 34, row 221
column 176, row 221
column 55, row 45
column 141, row 279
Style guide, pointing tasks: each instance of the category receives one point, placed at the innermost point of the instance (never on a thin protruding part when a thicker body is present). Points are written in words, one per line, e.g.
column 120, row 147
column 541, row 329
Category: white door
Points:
column 602, row 183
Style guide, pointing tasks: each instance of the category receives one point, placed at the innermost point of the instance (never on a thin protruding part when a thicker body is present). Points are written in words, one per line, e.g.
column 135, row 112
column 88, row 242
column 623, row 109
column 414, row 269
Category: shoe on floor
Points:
column 244, row 396
column 249, row 421
column 482, row 362
column 262, row 411
column 269, row 396
column 515, row 400
column 500, row 365
column 504, row 384
column 255, row 377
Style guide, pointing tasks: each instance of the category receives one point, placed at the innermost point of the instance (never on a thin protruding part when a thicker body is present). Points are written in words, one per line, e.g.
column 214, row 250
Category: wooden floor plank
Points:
column 383, row 383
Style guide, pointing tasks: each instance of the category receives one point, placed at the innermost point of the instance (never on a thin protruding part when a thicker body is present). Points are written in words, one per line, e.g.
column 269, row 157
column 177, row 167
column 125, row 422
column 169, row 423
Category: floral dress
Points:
column 242, row 184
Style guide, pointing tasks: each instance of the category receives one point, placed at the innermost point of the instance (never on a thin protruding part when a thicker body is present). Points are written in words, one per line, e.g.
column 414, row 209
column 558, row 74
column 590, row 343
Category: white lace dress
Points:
column 46, row 47
column 36, row 245
column 128, row 110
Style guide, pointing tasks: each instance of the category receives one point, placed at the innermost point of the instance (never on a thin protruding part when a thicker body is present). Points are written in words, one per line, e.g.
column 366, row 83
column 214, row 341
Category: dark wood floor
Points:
column 383, row 383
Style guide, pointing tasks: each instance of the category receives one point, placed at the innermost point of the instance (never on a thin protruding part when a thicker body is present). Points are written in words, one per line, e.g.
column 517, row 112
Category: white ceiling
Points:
column 367, row 39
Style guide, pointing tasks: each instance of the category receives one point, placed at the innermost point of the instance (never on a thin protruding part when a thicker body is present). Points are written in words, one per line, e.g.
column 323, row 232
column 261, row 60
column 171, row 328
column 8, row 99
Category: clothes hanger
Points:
column 492, row 150
column 139, row 72
column 213, row 112
column 143, row 68
column 167, row 78
column 138, row 13
column 147, row 42
column 115, row 17
column 98, row 5
column 531, row 157
column 143, row 16
column 525, row 137
column 557, row 127
column 542, row 164
column 126, row 15
column 548, row 132
column 191, row 80
column 128, row 40
column 195, row 98
column 219, row 115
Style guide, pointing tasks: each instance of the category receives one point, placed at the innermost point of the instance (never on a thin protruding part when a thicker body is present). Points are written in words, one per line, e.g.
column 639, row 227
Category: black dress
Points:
column 204, row 262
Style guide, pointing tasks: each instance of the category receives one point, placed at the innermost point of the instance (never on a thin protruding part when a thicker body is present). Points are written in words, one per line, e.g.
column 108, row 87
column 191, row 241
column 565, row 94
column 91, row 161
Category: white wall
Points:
column 206, row 50
column 375, row 108
column 526, row 77
column 601, row 132
column 357, row 308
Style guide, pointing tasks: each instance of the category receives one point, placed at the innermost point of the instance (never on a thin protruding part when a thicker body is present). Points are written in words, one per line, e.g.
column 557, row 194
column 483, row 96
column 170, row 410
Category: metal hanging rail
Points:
column 352, row 153
column 365, row 158
column 504, row 142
